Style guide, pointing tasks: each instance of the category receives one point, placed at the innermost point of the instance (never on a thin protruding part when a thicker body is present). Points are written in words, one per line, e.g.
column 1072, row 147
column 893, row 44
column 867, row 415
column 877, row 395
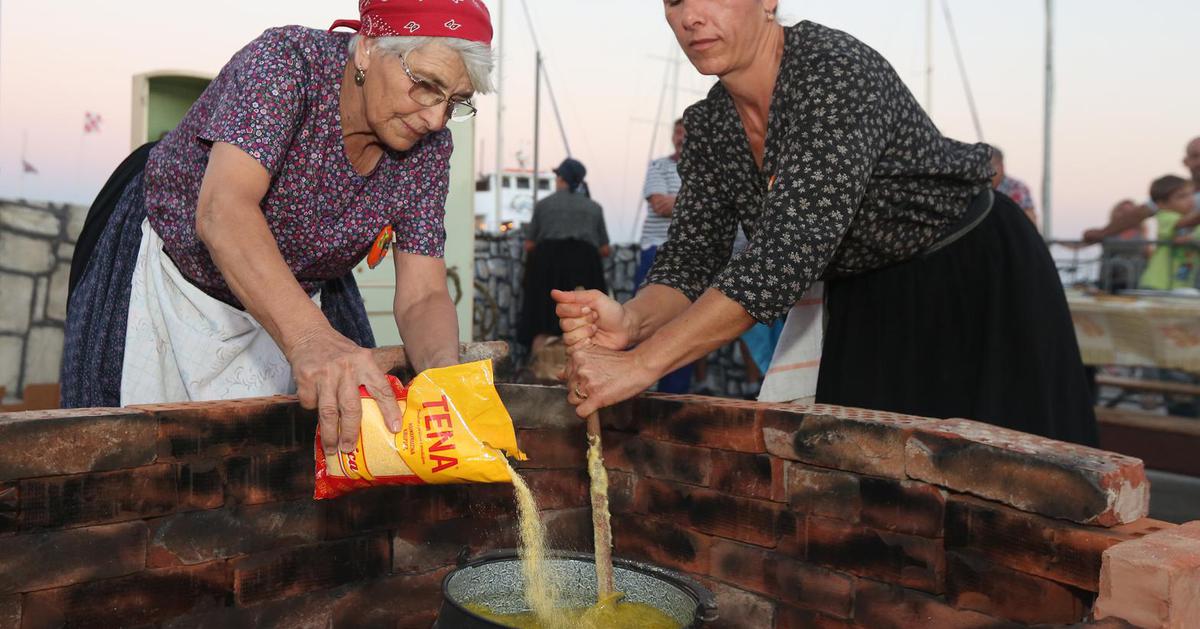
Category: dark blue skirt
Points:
column 101, row 277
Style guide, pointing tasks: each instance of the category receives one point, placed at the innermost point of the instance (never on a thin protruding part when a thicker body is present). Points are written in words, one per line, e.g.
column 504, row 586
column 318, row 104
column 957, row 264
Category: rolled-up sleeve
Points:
column 704, row 224
column 825, row 163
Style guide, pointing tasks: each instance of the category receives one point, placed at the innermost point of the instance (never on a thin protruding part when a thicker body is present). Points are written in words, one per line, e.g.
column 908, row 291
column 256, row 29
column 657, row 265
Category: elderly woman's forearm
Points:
column 710, row 323
column 244, row 250
column 429, row 327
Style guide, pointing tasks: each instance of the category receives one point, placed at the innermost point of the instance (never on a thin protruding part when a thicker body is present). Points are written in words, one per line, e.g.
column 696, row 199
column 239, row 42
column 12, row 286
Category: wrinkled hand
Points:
column 597, row 378
column 328, row 369
column 590, row 318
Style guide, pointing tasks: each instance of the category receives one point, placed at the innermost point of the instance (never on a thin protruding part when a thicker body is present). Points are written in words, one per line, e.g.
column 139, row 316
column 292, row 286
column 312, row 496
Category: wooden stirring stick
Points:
column 601, row 522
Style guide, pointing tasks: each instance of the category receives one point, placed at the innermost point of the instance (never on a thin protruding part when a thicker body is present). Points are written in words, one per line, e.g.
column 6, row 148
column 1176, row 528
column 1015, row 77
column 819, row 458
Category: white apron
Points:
column 182, row 344
column 797, row 359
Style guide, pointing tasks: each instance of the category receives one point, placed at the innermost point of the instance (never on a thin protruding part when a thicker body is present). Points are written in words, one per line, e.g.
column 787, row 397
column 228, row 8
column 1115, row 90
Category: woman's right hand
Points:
column 591, row 317
column 328, row 369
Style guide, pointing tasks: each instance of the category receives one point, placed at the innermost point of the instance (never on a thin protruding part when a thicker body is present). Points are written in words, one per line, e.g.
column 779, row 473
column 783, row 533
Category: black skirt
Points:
column 555, row 264
column 979, row 330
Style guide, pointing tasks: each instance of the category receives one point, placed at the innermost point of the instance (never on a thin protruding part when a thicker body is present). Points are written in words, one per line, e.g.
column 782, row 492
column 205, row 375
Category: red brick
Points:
column 903, row 506
column 136, row 600
column 270, row 477
column 621, row 487
column 792, row 618
column 852, row 440
column 37, row 561
column 295, row 571
column 783, row 579
column 559, row 489
column 311, row 611
column 660, row 542
column 700, row 421
column 977, row 584
column 10, row 505
column 1153, row 581
column 10, row 611
column 381, row 508
column 1053, row 549
column 739, row 609
column 570, row 529
column 419, row 547
column 1031, row 473
column 828, row 493
column 554, row 448
column 658, row 459
column 538, row 406
column 201, row 485
column 202, row 536
column 748, row 475
column 913, row 562
column 389, row 602
column 98, row 498
column 215, row 429
column 882, row 606
column 72, row 441
column 752, row 521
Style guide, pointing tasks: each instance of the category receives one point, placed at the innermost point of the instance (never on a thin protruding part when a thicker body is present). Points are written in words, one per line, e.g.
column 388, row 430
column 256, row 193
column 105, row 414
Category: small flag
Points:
column 28, row 168
column 91, row 122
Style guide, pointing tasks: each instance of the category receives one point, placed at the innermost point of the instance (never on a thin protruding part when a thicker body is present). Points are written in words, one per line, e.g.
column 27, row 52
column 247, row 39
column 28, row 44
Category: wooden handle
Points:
column 392, row 358
column 601, row 521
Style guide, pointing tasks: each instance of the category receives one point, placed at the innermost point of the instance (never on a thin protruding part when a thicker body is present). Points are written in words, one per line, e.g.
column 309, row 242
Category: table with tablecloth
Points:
column 1138, row 331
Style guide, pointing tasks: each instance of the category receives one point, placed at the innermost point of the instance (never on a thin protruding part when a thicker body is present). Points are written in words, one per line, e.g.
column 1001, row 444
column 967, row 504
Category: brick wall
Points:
column 200, row 515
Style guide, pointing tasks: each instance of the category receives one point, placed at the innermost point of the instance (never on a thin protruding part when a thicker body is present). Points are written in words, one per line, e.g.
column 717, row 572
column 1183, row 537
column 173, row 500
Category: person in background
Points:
column 662, row 186
column 564, row 243
column 1013, row 188
column 1171, row 266
column 1124, row 256
column 1127, row 220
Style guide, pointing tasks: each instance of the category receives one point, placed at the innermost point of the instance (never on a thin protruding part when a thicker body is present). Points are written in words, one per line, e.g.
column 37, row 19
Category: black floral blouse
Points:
column 855, row 178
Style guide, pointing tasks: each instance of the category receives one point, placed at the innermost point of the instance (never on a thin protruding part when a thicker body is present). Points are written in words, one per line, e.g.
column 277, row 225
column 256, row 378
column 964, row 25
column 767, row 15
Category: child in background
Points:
column 1172, row 267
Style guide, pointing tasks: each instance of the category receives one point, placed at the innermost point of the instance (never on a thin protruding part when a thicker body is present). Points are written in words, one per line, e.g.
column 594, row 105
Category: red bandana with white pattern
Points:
column 464, row 19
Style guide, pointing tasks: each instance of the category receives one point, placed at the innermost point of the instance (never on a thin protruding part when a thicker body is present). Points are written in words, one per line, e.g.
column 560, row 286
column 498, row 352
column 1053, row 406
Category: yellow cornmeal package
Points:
column 455, row 429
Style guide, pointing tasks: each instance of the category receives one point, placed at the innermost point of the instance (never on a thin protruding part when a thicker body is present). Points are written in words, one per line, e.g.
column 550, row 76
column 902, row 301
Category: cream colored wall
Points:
column 378, row 284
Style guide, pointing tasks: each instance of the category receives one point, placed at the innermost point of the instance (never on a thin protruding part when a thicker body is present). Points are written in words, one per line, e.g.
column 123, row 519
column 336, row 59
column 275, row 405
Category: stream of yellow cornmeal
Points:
column 542, row 594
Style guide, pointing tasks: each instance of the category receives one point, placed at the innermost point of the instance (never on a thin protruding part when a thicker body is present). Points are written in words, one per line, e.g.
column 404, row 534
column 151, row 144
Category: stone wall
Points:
column 36, row 245
column 500, row 267
column 199, row 515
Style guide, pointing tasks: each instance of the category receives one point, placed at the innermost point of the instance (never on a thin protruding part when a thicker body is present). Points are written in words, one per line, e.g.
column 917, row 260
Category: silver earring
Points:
column 360, row 77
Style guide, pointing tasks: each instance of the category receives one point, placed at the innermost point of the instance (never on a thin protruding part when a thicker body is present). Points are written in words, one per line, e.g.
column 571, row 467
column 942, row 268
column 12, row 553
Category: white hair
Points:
column 476, row 56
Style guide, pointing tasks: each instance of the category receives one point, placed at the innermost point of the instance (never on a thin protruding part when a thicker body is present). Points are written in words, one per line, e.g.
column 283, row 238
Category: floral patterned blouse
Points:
column 855, row 178
column 277, row 100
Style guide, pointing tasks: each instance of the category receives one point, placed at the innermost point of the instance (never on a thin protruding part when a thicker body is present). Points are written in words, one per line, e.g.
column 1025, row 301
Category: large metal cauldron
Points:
column 495, row 581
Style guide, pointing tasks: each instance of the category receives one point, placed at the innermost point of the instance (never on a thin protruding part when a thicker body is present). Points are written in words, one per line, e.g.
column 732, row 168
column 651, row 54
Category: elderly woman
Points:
column 216, row 264
column 940, row 301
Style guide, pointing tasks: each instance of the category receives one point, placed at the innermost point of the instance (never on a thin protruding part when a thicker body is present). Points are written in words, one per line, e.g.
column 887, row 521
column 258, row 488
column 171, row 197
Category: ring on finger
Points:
column 580, row 394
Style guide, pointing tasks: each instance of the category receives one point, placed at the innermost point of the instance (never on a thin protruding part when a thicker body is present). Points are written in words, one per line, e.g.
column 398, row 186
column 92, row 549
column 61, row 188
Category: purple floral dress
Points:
column 277, row 100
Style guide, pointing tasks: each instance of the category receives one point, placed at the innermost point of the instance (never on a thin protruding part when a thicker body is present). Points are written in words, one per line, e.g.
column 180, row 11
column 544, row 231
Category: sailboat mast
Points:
column 496, row 183
column 537, row 122
column 1048, row 119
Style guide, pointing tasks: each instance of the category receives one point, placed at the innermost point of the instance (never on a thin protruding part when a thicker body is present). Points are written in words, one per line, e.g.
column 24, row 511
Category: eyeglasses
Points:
column 429, row 95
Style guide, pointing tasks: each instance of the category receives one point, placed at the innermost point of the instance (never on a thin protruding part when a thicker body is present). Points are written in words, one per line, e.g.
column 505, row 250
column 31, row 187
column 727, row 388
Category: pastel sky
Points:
column 1128, row 99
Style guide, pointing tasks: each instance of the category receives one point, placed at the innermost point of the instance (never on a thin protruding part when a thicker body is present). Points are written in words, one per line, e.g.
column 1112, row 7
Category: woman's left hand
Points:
column 597, row 378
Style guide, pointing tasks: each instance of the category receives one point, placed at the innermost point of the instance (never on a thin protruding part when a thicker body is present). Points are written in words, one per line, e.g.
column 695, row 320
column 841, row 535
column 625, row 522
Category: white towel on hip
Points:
column 182, row 344
column 797, row 359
